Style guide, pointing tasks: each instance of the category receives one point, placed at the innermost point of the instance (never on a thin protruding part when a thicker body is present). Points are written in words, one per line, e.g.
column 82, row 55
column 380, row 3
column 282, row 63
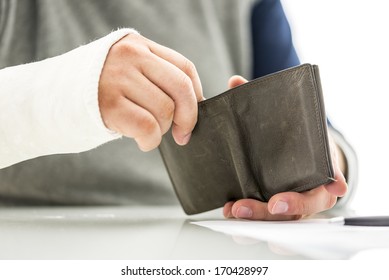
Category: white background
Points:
column 348, row 39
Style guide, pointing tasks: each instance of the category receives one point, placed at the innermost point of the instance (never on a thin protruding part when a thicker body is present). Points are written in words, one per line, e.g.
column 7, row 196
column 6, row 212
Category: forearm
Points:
column 51, row 106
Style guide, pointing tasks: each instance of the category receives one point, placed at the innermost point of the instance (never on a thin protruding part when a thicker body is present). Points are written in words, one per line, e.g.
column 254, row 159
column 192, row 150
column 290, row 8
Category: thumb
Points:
column 235, row 81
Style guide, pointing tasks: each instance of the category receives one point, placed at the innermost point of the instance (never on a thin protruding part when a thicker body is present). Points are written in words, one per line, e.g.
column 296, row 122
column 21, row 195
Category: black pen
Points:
column 367, row 221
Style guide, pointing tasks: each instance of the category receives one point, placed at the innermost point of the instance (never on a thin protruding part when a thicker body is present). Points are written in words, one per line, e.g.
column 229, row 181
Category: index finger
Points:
column 176, row 84
column 182, row 63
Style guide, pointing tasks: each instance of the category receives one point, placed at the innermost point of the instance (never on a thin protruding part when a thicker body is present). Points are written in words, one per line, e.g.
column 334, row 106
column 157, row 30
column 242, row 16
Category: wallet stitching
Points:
column 326, row 156
column 318, row 122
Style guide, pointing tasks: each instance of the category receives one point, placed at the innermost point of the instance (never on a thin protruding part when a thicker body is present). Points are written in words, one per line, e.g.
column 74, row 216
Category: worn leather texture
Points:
column 253, row 141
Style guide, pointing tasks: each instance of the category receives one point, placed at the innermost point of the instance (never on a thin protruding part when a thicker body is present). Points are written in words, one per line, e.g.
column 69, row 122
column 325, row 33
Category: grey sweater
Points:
column 215, row 35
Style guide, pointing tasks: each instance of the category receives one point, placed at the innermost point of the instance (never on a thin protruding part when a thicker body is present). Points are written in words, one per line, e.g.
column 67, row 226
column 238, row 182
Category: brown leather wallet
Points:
column 253, row 141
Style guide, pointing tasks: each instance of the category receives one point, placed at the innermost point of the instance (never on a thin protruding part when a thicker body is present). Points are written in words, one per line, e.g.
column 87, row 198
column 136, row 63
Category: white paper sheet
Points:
column 316, row 238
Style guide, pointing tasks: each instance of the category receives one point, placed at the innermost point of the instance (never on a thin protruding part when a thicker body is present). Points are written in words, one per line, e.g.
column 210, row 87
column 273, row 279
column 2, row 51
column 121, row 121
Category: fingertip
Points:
column 182, row 140
column 273, row 201
column 244, row 212
column 181, row 136
column 149, row 142
column 146, row 147
column 338, row 188
column 250, row 209
column 279, row 207
column 288, row 203
column 227, row 210
column 235, row 81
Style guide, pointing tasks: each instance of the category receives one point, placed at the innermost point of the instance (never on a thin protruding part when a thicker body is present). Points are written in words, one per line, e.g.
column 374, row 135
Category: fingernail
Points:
column 244, row 212
column 229, row 215
column 185, row 139
column 280, row 207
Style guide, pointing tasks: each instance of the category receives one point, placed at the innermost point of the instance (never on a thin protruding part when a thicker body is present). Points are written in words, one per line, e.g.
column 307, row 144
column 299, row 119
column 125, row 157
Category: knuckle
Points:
column 108, row 107
column 128, row 48
column 190, row 68
column 185, row 85
column 165, row 116
column 108, row 101
column 167, row 110
column 146, row 125
column 303, row 208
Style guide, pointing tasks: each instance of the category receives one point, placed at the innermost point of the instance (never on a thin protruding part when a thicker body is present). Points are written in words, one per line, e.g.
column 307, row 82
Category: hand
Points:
column 291, row 205
column 146, row 88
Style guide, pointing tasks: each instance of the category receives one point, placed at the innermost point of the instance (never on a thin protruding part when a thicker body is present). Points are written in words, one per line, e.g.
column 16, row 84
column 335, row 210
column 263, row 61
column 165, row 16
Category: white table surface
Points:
column 121, row 233
column 166, row 233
